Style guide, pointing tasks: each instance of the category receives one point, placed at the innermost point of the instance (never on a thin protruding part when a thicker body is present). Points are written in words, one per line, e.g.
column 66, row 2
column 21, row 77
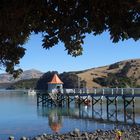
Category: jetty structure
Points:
column 57, row 96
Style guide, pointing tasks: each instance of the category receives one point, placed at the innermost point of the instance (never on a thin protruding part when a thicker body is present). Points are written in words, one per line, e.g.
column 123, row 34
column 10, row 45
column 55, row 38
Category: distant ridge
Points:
column 28, row 74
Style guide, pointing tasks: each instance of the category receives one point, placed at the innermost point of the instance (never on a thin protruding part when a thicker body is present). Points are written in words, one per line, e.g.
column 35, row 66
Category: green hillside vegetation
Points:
column 115, row 81
column 42, row 83
column 24, row 84
column 70, row 80
column 118, row 79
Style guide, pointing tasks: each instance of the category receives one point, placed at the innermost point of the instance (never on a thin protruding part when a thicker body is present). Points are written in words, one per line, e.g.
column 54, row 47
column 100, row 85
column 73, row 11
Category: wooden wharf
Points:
column 96, row 96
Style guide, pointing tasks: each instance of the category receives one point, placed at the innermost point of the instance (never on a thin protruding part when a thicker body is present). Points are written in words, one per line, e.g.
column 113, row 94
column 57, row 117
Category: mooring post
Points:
column 101, row 107
column 116, row 109
column 133, row 110
column 47, row 99
column 107, row 107
column 51, row 102
column 124, row 102
column 43, row 100
column 37, row 99
column 79, row 101
column 92, row 106
column 64, row 98
column 68, row 101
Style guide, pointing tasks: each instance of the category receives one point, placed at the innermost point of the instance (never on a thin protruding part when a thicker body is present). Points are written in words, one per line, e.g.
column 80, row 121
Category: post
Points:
column 92, row 106
column 116, row 109
column 124, row 102
column 107, row 107
column 101, row 106
column 68, row 101
column 133, row 110
column 79, row 101
column 37, row 100
column 43, row 100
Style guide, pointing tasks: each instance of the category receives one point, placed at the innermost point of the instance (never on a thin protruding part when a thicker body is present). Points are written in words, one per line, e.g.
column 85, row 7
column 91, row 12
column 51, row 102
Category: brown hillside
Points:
column 132, row 72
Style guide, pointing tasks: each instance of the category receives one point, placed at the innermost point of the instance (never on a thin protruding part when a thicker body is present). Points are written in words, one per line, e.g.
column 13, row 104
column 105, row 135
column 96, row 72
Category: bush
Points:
column 113, row 66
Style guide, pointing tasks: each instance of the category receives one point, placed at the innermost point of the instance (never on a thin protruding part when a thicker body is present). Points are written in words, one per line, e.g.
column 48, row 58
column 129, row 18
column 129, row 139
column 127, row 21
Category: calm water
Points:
column 20, row 116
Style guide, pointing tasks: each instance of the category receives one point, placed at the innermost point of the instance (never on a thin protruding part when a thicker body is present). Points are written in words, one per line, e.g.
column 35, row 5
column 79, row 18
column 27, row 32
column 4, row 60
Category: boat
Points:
column 31, row 92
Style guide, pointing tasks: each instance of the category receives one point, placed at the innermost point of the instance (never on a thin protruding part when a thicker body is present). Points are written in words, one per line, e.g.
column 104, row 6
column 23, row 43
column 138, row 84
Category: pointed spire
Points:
column 55, row 80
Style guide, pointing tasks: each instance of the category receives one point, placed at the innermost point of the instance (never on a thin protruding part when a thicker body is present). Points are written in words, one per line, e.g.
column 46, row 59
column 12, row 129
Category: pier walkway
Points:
column 92, row 97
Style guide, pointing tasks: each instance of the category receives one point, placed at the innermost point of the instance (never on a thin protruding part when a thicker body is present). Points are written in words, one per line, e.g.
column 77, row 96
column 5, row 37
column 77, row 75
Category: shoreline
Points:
column 133, row 133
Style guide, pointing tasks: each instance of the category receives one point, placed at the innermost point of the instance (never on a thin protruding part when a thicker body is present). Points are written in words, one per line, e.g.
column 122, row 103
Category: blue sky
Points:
column 98, row 51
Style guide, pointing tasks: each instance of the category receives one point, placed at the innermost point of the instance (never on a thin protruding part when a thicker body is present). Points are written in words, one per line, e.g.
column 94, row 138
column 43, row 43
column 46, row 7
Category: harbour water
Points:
column 20, row 116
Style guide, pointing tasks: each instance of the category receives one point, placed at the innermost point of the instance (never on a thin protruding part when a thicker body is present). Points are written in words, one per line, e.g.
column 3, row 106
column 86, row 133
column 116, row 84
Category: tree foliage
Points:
column 24, row 84
column 113, row 66
column 63, row 20
column 42, row 83
column 70, row 80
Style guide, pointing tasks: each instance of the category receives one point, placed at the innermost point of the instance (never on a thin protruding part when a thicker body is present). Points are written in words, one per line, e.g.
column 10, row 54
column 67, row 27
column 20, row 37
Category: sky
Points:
column 97, row 51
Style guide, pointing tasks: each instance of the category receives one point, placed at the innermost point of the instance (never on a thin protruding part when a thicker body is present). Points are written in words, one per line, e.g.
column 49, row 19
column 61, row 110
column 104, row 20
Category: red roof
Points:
column 55, row 80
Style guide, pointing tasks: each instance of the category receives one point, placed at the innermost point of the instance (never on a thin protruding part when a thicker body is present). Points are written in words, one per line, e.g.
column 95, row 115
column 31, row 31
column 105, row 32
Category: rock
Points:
column 91, row 136
column 100, row 138
column 128, row 134
column 44, row 134
column 66, row 137
column 11, row 138
column 23, row 138
column 37, row 138
column 42, row 137
column 72, row 134
column 77, row 132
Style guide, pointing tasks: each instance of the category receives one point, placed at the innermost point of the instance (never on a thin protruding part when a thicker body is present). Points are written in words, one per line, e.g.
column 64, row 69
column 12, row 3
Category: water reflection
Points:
column 57, row 116
column 55, row 120
column 25, row 119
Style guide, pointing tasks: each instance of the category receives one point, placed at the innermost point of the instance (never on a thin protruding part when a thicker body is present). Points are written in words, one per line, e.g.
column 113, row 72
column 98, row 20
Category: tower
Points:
column 55, row 83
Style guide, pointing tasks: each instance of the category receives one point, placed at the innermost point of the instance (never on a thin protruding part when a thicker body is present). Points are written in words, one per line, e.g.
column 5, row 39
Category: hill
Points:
column 120, row 74
column 28, row 74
